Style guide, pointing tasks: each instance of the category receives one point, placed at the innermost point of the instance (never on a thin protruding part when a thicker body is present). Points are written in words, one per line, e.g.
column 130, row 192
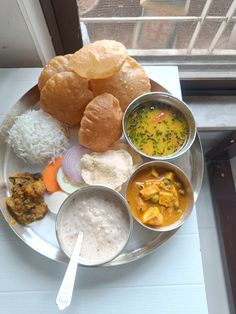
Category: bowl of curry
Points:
column 159, row 126
column 160, row 196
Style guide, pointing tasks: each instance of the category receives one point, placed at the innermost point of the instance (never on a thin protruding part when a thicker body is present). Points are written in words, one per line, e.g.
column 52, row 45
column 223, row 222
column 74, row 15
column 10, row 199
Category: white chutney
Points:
column 104, row 221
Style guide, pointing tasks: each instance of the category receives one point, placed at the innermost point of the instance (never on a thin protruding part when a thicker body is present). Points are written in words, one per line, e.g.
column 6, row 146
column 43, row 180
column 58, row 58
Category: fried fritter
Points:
column 26, row 203
column 55, row 65
column 99, row 59
column 101, row 123
column 127, row 84
column 65, row 96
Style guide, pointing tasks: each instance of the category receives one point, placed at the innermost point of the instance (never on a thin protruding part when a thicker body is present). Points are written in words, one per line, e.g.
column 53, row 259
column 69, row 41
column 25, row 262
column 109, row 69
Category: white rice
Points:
column 36, row 137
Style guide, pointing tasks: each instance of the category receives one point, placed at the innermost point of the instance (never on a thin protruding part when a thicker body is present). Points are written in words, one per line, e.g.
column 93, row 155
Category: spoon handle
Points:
column 65, row 292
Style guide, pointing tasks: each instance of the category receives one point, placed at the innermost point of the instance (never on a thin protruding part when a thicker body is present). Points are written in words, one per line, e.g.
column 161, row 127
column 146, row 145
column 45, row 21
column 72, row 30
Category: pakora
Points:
column 26, row 202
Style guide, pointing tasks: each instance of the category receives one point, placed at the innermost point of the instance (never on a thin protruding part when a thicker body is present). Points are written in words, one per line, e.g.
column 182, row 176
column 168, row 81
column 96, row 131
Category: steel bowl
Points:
column 182, row 177
column 92, row 189
column 168, row 99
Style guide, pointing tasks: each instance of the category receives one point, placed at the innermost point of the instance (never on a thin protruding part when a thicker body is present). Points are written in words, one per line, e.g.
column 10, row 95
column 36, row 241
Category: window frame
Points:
column 63, row 24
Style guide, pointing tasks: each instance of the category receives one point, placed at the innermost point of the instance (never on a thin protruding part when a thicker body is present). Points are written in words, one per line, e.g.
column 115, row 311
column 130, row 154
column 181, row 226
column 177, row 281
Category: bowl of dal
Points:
column 159, row 126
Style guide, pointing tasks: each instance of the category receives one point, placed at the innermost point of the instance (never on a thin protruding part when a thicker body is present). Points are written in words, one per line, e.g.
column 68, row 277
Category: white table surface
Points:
column 170, row 280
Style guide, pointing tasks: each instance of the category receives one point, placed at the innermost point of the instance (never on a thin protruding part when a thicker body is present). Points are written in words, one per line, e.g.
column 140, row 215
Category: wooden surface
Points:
column 168, row 281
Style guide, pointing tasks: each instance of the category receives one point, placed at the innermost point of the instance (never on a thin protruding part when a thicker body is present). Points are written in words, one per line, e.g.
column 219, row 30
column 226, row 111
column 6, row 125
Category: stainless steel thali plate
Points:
column 41, row 236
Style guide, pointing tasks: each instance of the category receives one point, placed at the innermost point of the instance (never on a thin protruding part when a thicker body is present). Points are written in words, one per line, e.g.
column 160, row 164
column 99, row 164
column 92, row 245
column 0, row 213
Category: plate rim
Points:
column 30, row 98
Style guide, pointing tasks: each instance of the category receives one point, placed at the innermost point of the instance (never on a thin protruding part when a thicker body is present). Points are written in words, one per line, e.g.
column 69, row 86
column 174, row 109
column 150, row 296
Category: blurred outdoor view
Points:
column 174, row 27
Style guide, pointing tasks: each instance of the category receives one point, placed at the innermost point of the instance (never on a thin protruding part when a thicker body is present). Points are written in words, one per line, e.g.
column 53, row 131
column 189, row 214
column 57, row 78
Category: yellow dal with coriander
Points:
column 157, row 129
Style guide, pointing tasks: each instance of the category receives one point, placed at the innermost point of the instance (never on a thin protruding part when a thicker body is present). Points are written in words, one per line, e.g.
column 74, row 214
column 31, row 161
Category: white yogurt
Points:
column 104, row 222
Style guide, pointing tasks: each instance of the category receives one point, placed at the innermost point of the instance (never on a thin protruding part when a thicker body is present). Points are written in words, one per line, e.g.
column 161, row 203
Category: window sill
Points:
column 213, row 113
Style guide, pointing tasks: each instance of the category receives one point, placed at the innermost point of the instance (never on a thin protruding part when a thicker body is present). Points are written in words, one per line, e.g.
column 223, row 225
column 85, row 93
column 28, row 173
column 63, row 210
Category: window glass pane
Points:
column 122, row 32
column 220, row 7
column 175, row 25
column 228, row 38
column 108, row 8
column 145, row 35
column 184, row 34
column 206, row 34
column 195, row 7
column 165, row 35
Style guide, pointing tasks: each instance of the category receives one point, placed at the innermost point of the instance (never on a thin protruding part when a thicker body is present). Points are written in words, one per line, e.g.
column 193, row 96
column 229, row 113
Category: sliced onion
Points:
column 123, row 139
column 55, row 200
column 71, row 162
column 66, row 185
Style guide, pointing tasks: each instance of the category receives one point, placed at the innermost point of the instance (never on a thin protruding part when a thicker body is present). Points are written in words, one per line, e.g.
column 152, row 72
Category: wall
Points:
column 17, row 48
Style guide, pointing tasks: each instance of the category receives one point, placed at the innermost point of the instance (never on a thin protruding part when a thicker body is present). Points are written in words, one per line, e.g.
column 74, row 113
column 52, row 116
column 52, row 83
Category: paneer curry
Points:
column 156, row 197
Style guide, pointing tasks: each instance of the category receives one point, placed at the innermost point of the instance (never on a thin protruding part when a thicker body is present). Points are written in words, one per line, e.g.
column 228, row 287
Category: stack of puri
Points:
column 91, row 89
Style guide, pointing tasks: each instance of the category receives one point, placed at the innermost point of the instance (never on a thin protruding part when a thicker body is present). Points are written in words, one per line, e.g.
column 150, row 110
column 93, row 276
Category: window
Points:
column 197, row 35
column 189, row 33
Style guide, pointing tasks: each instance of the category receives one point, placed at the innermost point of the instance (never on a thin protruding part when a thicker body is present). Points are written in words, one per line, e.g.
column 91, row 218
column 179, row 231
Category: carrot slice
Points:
column 49, row 175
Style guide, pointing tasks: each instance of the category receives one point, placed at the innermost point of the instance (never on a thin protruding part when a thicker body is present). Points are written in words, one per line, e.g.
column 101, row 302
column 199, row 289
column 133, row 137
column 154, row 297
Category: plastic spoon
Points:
column 65, row 292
